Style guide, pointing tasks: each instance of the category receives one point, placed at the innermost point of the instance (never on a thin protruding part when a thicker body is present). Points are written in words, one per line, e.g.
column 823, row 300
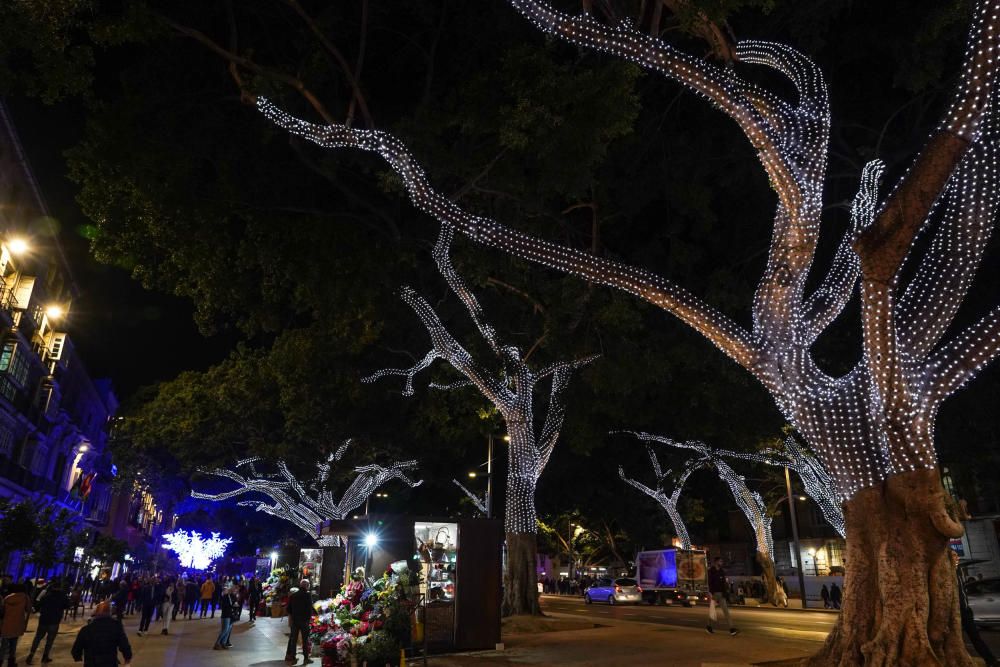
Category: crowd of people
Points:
column 156, row 600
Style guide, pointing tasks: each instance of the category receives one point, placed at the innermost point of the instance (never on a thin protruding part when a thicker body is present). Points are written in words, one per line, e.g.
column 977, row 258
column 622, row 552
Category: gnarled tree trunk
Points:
column 767, row 572
column 520, row 586
column 899, row 588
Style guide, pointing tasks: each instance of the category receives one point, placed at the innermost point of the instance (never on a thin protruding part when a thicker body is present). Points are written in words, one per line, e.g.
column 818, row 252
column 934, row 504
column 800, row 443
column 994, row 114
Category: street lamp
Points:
column 17, row 246
column 795, row 538
column 472, row 475
column 54, row 311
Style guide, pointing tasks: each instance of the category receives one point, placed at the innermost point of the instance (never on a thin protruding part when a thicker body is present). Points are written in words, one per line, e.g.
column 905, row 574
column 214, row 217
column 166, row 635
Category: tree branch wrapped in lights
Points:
column 750, row 502
column 666, row 498
column 307, row 505
column 872, row 427
column 512, row 392
column 479, row 503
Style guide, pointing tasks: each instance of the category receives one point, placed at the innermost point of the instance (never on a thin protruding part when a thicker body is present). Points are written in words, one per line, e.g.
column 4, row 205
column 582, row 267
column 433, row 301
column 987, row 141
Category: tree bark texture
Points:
column 900, row 606
column 767, row 572
column 520, row 586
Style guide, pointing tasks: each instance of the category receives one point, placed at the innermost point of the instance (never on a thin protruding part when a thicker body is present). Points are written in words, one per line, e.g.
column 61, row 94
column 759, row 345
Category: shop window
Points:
column 437, row 549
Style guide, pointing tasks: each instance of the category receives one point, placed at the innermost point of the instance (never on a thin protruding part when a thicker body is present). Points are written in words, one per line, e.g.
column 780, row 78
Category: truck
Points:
column 672, row 576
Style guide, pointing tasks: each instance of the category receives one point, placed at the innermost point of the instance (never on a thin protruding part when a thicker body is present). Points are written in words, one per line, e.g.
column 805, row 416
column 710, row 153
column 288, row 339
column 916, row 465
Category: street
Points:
column 767, row 621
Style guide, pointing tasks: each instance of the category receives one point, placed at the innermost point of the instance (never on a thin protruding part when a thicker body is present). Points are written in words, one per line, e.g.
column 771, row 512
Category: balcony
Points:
column 8, row 304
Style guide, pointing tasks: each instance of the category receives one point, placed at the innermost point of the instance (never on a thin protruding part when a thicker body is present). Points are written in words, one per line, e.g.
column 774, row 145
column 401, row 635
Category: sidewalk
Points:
column 189, row 643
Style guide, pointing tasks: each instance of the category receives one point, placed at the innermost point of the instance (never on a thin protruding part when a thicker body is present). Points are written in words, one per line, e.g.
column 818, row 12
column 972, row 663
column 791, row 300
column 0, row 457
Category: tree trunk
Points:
column 900, row 605
column 770, row 583
column 520, row 585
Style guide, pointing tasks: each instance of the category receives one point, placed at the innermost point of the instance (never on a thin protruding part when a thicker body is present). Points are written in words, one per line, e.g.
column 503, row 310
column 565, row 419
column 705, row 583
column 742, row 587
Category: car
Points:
column 672, row 596
column 984, row 600
column 613, row 591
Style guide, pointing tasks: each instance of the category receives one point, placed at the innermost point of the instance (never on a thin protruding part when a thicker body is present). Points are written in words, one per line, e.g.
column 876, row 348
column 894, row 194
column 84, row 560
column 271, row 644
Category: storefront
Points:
column 459, row 561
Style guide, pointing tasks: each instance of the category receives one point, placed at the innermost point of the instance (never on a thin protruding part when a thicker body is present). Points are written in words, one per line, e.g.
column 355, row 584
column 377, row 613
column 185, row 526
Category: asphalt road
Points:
column 777, row 623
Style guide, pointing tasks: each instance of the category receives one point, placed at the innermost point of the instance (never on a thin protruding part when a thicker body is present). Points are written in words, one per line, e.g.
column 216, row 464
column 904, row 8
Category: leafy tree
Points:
column 18, row 527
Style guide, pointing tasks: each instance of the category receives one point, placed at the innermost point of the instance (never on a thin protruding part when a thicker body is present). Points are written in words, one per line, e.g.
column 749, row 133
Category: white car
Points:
column 984, row 600
column 614, row 591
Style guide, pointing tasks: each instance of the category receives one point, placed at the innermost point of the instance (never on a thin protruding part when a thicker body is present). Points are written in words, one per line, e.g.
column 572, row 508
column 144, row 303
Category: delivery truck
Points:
column 672, row 576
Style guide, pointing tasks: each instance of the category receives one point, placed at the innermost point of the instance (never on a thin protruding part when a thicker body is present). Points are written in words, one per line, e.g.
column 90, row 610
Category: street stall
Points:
column 453, row 573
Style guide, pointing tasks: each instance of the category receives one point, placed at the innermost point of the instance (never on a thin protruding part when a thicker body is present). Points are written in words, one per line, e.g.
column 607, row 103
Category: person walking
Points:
column 207, row 592
column 179, row 595
column 227, row 605
column 300, row 611
column 718, row 588
column 50, row 610
column 825, row 594
column 75, row 599
column 119, row 601
column 217, row 592
column 835, row 595
column 253, row 599
column 15, row 610
column 167, row 605
column 191, row 593
column 148, row 600
column 99, row 642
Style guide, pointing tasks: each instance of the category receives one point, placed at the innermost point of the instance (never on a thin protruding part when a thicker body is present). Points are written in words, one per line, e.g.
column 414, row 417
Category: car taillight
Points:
column 618, row 589
column 638, row 588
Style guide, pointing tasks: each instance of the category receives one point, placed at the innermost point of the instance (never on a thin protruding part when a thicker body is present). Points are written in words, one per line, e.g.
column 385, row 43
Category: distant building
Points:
column 54, row 418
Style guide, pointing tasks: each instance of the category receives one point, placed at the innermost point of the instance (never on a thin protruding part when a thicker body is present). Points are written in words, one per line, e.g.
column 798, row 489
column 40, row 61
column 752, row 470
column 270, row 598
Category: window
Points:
column 14, row 362
column 6, row 441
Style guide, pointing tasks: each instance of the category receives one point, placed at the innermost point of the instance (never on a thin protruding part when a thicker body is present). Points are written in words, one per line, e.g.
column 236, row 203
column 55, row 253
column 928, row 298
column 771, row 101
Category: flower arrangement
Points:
column 368, row 619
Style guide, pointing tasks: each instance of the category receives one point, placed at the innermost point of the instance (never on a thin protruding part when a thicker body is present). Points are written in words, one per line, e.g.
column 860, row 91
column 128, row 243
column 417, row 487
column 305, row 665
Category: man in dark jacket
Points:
column 300, row 612
column 190, row 597
column 150, row 597
column 99, row 642
column 50, row 610
column 253, row 598
column 718, row 586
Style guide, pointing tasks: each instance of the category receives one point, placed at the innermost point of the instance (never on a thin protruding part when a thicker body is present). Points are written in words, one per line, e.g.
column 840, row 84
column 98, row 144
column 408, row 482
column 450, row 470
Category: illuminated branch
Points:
column 511, row 389
column 668, row 498
column 750, row 502
column 480, row 503
column 308, row 505
column 193, row 550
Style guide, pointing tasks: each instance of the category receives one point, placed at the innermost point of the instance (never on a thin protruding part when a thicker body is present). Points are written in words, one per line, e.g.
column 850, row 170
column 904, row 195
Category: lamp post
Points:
column 489, row 477
column 795, row 539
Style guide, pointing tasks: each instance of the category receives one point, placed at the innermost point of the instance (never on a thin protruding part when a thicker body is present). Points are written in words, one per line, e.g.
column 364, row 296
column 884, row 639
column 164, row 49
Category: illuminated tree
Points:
column 193, row 550
column 750, row 502
column 511, row 389
column 307, row 505
column 815, row 479
column 668, row 499
column 872, row 428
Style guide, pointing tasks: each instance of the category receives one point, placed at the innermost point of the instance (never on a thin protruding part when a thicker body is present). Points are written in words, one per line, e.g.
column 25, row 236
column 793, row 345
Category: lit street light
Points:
column 17, row 246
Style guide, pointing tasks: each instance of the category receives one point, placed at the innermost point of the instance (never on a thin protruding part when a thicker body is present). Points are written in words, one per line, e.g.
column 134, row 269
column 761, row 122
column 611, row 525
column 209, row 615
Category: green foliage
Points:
column 57, row 535
column 108, row 550
column 18, row 527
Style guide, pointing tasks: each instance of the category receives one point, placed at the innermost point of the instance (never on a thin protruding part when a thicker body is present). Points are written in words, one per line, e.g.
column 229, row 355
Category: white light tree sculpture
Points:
column 193, row 550
column 750, row 502
column 873, row 427
column 665, row 497
column 308, row 505
column 479, row 503
column 512, row 392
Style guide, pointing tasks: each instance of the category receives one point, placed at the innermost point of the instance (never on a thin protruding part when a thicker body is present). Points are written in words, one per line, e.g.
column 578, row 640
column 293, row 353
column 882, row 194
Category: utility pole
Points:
column 795, row 539
column 489, row 478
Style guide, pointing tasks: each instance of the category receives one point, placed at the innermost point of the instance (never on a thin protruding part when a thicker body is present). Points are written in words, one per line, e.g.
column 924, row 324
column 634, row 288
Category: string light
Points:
column 668, row 499
column 878, row 419
column 511, row 391
column 750, row 502
column 480, row 503
column 193, row 550
column 307, row 506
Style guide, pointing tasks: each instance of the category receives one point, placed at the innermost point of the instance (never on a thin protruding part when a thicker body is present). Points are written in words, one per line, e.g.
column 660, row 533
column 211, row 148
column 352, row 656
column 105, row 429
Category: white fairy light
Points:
column 480, row 503
column 511, row 391
column 750, row 502
column 878, row 419
column 307, row 506
column 666, row 498
column 193, row 550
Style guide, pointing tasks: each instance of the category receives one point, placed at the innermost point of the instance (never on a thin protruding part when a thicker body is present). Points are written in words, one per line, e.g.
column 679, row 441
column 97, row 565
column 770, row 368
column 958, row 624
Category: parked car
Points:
column 613, row 591
column 984, row 600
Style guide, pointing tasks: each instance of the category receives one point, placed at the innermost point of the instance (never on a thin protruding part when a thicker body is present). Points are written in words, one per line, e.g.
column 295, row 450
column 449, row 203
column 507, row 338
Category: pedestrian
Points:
column 217, row 596
column 179, row 595
column 835, row 595
column 99, row 642
column 253, row 599
column 825, row 594
column 300, row 611
column 119, row 601
column 148, row 601
column 50, row 610
column 168, row 604
column 190, row 597
column 718, row 588
column 207, row 592
column 75, row 599
column 227, row 603
column 781, row 596
column 15, row 611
